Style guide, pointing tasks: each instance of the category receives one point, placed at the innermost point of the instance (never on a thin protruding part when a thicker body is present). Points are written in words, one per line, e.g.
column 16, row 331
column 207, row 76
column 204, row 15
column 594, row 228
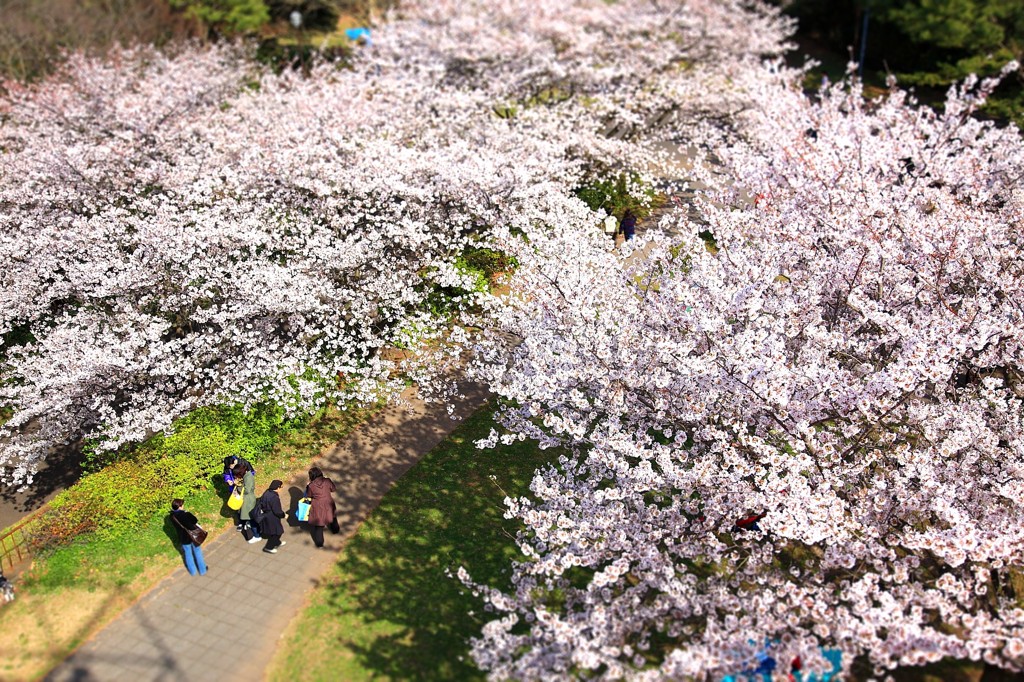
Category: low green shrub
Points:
column 66, row 519
column 488, row 263
column 226, row 17
column 618, row 194
column 483, row 265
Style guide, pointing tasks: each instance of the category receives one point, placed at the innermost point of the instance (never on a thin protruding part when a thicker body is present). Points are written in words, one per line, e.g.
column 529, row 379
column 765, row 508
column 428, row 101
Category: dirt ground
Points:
column 39, row 629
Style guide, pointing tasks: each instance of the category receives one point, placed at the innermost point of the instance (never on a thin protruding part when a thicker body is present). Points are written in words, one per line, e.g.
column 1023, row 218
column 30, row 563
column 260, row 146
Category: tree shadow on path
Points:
column 404, row 615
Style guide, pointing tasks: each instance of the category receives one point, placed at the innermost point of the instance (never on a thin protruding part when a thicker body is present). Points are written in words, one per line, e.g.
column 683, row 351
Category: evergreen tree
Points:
column 227, row 16
column 926, row 43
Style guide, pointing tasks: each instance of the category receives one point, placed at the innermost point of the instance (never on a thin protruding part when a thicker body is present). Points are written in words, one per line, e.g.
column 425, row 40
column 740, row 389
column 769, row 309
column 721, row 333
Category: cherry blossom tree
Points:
column 177, row 239
column 831, row 345
column 186, row 229
column 833, row 348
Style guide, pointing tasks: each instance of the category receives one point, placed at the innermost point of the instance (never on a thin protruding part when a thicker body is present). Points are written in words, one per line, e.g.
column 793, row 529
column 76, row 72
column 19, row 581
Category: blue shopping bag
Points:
column 302, row 511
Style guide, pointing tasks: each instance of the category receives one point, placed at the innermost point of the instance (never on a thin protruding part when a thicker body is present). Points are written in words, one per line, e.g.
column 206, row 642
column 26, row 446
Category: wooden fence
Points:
column 14, row 546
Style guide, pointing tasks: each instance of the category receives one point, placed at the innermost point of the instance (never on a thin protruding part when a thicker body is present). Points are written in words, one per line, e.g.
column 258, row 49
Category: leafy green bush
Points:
column 227, row 16
column 483, row 265
column 486, row 262
column 618, row 194
column 114, row 499
column 216, row 432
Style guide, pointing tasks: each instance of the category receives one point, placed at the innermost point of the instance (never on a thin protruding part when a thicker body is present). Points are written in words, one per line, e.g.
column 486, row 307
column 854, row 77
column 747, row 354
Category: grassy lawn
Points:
column 388, row 610
column 70, row 592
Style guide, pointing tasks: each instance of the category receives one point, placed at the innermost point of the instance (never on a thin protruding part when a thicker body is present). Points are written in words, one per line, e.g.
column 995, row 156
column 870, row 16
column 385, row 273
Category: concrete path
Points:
column 225, row 625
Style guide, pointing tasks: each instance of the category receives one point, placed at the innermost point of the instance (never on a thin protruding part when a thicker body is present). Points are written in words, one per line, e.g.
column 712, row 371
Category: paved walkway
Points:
column 192, row 629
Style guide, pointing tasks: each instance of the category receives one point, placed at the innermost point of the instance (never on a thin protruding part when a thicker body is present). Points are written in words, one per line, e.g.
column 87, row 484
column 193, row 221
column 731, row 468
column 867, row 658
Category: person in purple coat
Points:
column 322, row 510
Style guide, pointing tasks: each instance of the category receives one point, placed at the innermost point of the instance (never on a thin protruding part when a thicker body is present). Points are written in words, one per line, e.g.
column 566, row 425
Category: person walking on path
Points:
column 247, row 477
column 629, row 225
column 269, row 515
column 185, row 521
column 322, row 510
column 611, row 227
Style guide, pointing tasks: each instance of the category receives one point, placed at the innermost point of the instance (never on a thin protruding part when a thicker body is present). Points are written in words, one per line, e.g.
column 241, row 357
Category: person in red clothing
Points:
column 749, row 522
column 322, row 510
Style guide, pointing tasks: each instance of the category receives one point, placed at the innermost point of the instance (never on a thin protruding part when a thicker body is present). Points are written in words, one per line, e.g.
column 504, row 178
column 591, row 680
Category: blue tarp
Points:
column 358, row 33
column 766, row 665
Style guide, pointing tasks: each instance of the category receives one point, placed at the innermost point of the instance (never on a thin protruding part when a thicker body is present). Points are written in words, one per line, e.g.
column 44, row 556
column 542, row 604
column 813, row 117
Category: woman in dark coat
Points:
column 629, row 225
column 270, row 514
column 322, row 511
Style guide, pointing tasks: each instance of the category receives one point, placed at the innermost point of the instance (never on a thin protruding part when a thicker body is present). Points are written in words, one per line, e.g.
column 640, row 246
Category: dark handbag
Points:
column 257, row 513
column 197, row 534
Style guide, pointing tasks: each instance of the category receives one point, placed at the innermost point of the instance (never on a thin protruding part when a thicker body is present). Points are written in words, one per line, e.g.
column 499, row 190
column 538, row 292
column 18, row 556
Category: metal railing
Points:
column 14, row 546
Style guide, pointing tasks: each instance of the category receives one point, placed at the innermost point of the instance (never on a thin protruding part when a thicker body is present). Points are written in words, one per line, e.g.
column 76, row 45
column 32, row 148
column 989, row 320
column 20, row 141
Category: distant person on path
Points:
column 322, row 510
column 185, row 521
column 246, row 478
column 628, row 225
column 270, row 515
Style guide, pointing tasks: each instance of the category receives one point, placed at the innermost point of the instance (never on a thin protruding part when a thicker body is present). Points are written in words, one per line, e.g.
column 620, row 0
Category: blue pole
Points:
column 863, row 42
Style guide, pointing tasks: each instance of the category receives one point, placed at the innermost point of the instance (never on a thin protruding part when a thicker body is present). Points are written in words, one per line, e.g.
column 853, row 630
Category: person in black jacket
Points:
column 629, row 225
column 183, row 522
column 270, row 515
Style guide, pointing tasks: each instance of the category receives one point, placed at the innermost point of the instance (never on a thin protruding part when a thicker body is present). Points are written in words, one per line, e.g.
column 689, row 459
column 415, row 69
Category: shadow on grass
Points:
column 397, row 609
column 948, row 670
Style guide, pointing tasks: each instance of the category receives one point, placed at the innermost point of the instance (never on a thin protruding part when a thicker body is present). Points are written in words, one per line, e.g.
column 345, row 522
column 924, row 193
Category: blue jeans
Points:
column 194, row 561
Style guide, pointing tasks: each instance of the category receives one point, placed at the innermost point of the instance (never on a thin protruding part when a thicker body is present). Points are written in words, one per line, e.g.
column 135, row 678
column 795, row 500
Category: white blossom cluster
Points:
column 835, row 344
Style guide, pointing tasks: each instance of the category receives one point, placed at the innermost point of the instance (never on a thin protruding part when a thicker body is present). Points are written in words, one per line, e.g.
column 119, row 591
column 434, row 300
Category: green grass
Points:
column 388, row 610
column 101, row 562
column 107, row 562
